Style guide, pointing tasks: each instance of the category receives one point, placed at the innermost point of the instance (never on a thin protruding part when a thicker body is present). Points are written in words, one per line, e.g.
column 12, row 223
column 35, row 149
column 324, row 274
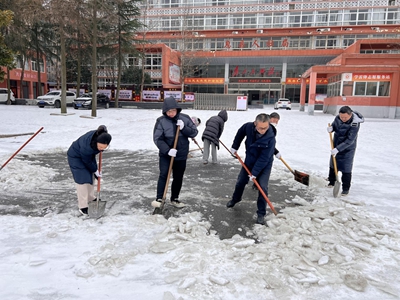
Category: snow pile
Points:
column 22, row 175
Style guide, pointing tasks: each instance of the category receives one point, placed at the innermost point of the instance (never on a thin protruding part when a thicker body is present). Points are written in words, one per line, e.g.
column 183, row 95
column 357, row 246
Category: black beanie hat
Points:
column 104, row 138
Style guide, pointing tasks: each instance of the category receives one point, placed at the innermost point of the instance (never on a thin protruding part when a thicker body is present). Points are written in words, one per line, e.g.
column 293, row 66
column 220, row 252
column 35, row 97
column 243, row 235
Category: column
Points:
column 312, row 90
column 303, row 89
column 283, row 80
column 226, row 78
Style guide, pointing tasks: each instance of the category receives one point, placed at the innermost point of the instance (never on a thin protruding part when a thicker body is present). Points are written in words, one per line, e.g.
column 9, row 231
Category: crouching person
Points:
column 82, row 162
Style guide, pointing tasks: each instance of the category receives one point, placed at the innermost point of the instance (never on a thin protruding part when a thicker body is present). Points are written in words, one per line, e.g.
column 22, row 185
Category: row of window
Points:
column 194, row 3
column 371, row 16
column 359, row 88
column 294, row 42
column 32, row 67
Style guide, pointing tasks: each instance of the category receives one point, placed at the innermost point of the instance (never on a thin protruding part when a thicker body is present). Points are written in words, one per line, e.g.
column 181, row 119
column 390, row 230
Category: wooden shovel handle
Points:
column 333, row 156
column 287, row 166
column 99, row 168
column 171, row 163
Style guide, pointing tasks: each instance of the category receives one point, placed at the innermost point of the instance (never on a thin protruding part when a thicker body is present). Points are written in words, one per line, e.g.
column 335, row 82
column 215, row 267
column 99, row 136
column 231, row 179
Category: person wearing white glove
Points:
column 233, row 151
column 278, row 155
column 164, row 133
column 180, row 124
column 252, row 177
column 259, row 140
column 346, row 126
column 334, row 151
column 172, row 152
column 97, row 174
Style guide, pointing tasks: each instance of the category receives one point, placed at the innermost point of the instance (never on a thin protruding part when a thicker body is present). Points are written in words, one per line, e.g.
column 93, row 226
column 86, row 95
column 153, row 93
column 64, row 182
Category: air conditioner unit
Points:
column 195, row 33
column 260, row 31
column 235, row 32
column 323, row 29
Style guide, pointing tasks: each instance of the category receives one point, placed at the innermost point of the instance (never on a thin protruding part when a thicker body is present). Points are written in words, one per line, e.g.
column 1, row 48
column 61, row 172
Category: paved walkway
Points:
column 129, row 183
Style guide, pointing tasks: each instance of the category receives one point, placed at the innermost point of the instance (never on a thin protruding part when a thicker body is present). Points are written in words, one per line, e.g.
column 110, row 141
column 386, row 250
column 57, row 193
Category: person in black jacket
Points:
column 211, row 135
column 345, row 126
column 260, row 144
column 82, row 162
column 164, row 136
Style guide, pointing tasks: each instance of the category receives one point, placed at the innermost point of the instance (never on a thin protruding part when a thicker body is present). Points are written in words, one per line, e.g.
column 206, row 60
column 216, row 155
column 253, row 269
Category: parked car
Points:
column 53, row 98
column 85, row 101
column 4, row 96
column 283, row 103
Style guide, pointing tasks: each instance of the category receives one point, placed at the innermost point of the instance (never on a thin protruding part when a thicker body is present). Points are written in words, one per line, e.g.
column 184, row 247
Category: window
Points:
column 383, row 89
column 372, row 88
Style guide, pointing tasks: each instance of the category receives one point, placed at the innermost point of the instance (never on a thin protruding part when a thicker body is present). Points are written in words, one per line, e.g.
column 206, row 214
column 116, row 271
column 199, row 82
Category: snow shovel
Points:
column 20, row 148
column 159, row 210
column 96, row 208
column 298, row 176
column 254, row 180
column 337, row 185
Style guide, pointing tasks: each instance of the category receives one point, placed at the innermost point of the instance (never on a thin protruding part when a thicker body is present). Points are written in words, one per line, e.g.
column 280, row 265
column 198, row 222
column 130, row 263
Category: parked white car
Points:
column 53, row 98
column 283, row 103
column 4, row 96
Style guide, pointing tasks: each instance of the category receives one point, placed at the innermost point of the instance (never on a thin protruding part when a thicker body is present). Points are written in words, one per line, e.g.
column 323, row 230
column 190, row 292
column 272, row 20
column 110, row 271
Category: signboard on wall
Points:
column 241, row 103
column 204, row 80
column 174, row 74
column 125, row 95
column 372, row 77
column 106, row 92
column 151, row 96
column 189, row 97
column 254, row 80
column 176, row 94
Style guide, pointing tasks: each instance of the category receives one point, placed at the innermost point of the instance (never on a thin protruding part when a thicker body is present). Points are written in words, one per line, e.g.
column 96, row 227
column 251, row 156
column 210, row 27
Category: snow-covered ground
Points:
column 344, row 248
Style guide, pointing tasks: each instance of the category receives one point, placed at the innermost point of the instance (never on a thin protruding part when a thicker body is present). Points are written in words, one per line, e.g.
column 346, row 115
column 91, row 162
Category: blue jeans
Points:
column 262, row 179
column 178, row 169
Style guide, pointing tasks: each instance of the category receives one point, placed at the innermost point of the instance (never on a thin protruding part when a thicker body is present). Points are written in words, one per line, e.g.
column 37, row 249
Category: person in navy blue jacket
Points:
column 345, row 126
column 260, row 145
column 164, row 136
column 82, row 162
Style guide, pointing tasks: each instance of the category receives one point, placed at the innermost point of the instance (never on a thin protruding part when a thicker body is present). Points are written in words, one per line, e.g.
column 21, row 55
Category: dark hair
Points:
column 104, row 138
column 262, row 118
column 345, row 110
column 275, row 115
column 101, row 129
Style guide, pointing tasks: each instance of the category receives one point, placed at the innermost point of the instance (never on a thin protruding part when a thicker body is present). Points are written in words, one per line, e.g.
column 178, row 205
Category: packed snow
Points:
column 327, row 248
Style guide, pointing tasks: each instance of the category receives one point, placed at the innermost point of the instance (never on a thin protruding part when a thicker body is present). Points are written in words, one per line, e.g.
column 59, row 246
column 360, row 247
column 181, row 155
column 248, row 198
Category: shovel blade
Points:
column 302, row 177
column 96, row 209
column 159, row 210
column 336, row 189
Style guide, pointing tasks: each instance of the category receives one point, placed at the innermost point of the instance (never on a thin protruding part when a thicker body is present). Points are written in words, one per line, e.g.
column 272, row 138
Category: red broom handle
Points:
column 254, row 180
column 20, row 148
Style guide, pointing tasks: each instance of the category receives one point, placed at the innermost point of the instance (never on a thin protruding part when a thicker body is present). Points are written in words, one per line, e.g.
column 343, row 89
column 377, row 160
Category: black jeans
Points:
column 178, row 169
column 346, row 179
column 262, row 179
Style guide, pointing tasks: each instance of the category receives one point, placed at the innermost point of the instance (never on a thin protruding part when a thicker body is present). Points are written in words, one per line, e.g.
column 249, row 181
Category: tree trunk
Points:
column 39, row 87
column 94, row 60
column 8, row 87
column 63, row 73
column 78, row 77
column 119, row 67
column 22, row 77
